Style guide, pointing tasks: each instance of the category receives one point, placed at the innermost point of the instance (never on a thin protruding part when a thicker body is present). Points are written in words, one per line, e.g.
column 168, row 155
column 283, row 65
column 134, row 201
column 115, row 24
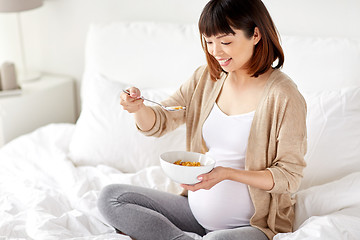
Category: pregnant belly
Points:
column 226, row 205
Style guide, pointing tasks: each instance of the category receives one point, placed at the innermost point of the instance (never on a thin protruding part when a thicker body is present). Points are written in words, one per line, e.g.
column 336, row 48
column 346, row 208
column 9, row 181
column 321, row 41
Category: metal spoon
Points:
column 171, row 109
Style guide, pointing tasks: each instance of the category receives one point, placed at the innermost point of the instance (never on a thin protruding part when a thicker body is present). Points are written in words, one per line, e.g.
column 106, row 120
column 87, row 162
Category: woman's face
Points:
column 232, row 51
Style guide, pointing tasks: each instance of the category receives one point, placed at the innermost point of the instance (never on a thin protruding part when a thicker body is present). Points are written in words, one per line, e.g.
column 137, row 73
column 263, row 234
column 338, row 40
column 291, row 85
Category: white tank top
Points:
column 228, row 203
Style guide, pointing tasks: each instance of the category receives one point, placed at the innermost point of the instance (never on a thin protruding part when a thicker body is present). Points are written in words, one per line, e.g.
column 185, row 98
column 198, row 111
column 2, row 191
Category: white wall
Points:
column 55, row 33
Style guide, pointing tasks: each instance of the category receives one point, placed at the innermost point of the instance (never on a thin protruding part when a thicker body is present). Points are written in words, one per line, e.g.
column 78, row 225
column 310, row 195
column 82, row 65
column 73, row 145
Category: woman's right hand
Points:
column 131, row 103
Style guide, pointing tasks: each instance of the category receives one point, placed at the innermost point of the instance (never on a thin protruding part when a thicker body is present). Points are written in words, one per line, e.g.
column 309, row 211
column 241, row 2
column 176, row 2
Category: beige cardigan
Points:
column 277, row 139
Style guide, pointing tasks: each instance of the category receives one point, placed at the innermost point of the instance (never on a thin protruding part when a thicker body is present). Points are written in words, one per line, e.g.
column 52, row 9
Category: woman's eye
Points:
column 208, row 42
column 225, row 43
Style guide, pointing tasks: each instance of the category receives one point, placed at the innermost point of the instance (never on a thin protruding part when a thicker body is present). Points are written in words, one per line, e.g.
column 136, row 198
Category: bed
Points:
column 50, row 179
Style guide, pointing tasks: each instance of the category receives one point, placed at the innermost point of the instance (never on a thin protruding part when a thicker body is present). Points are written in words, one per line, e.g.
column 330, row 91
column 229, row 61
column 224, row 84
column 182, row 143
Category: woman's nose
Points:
column 216, row 50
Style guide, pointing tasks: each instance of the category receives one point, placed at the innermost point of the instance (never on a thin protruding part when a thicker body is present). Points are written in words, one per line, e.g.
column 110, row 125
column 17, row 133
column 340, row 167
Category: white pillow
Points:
column 145, row 54
column 106, row 134
column 328, row 198
column 322, row 63
column 333, row 122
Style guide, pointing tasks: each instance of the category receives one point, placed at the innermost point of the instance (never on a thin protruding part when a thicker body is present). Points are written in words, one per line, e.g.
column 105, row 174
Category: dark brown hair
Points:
column 222, row 16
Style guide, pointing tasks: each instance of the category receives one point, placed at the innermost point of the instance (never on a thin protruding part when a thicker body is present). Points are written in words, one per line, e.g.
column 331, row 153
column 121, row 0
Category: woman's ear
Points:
column 256, row 36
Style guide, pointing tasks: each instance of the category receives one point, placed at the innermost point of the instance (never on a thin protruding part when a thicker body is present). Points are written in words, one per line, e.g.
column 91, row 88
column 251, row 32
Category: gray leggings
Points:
column 148, row 214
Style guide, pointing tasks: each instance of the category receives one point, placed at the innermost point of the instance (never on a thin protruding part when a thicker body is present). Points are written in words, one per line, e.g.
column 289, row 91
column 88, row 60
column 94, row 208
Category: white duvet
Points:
column 44, row 196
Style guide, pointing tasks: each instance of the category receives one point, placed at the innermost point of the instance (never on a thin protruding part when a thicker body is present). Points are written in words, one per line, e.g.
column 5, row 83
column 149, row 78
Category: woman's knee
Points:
column 109, row 194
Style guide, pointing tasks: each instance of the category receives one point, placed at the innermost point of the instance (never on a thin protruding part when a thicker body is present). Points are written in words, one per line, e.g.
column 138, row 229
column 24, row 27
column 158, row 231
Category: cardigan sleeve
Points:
column 288, row 165
column 166, row 121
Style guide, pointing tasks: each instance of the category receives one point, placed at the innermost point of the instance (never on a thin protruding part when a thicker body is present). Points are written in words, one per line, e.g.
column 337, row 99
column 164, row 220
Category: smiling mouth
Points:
column 224, row 61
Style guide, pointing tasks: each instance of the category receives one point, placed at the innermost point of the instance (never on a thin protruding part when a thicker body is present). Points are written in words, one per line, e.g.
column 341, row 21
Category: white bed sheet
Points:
column 44, row 196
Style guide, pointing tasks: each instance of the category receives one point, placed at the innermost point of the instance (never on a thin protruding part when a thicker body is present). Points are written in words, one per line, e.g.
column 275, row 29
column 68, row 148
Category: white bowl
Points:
column 185, row 174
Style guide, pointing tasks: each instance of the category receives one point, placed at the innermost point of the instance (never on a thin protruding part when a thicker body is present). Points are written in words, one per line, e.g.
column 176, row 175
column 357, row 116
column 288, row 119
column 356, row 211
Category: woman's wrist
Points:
column 231, row 174
column 145, row 118
column 227, row 173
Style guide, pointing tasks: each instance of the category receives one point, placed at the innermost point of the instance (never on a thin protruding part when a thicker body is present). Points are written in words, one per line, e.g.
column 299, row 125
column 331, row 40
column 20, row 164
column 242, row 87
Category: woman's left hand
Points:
column 208, row 180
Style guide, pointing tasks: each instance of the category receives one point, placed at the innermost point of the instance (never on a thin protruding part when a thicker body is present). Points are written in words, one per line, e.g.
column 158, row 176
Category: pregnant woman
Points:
column 242, row 111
